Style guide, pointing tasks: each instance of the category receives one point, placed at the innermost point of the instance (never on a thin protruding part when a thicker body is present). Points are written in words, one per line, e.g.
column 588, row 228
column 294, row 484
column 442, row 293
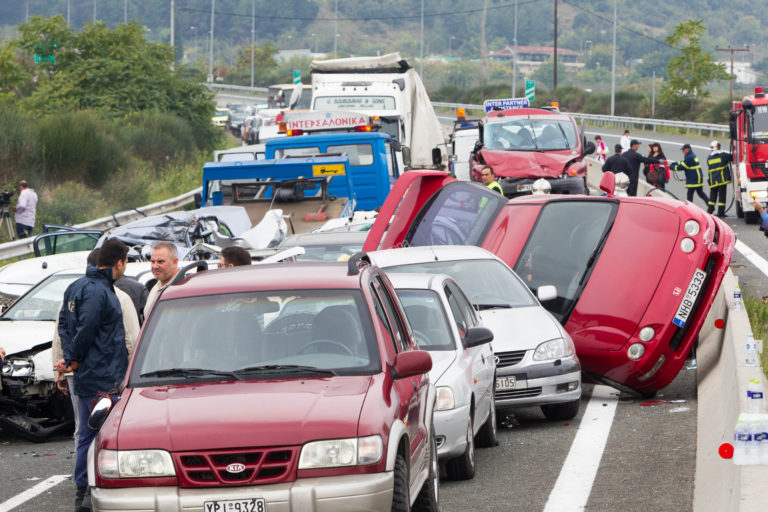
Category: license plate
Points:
column 689, row 299
column 525, row 188
column 249, row 505
column 510, row 382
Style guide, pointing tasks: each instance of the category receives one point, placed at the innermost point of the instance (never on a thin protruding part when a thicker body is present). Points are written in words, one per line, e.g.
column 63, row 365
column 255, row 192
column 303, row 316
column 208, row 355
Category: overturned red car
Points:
column 635, row 277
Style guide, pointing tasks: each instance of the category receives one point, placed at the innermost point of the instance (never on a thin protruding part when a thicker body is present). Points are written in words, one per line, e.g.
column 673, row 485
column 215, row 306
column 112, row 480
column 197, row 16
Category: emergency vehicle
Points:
column 749, row 145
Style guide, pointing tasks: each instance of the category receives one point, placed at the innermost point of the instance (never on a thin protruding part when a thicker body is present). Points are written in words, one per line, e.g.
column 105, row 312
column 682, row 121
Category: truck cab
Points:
column 749, row 140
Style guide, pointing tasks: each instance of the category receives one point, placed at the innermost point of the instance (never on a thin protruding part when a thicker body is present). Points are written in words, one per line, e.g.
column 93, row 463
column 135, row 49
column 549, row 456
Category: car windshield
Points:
column 427, row 318
column 487, row 283
column 530, row 135
column 43, row 301
column 760, row 124
column 296, row 333
column 562, row 249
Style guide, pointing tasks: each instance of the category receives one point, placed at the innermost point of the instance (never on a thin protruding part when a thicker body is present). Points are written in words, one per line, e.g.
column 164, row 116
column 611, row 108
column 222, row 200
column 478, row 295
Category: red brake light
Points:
column 362, row 128
column 279, row 117
column 759, row 92
column 291, row 133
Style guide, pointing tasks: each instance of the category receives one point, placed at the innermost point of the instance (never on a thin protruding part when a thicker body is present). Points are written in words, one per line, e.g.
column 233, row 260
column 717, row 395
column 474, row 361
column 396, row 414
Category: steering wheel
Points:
column 345, row 348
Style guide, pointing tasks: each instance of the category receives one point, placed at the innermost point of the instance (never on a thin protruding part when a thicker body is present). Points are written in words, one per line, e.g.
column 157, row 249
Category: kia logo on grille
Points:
column 236, row 468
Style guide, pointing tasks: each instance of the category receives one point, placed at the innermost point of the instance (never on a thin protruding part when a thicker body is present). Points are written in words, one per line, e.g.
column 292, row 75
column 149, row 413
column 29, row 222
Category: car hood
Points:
column 528, row 164
column 21, row 335
column 441, row 361
column 21, row 275
column 521, row 328
column 220, row 415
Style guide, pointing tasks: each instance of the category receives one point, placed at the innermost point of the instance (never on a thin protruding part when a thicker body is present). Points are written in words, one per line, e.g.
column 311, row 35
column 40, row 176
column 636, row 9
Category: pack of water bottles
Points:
column 750, row 435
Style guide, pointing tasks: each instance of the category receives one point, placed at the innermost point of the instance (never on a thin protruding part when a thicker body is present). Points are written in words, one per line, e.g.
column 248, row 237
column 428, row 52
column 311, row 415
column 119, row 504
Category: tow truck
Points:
column 749, row 144
column 523, row 144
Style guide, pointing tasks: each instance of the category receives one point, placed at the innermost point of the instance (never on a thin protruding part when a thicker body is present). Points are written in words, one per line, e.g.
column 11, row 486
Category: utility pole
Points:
column 253, row 35
column 173, row 39
column 125, row 11
column 336, row 30
column 613, row 62
column 94, row 11
column 483, row 47
column 554, row 70
column 732, row 50
column 653, row 96
column 210, row 55
column 421, row 50
column 514, row 56
column 68, row 11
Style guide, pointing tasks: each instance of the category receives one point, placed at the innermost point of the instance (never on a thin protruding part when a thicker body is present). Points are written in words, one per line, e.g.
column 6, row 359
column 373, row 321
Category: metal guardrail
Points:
column 236, row 88
column 24, row 247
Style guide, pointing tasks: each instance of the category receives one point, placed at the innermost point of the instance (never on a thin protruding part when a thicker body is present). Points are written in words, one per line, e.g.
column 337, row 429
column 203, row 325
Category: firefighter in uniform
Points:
column 489, row 178
column 694, row 180
column 719, row 177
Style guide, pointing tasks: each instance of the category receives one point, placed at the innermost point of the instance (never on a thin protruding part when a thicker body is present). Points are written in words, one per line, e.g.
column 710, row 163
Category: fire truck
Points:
column 749, row 144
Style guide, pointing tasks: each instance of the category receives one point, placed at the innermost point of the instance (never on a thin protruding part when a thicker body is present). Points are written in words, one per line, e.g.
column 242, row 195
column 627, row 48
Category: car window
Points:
column 285, row 152
column 260, row 331
column 458, row 214
column 391, row 162
column 466, row 308
column 379, row 309
column 359, row 154
column 401, row 336
column 427, row 318
column 462, row 323
column 563, row 247
column 41, row 302
column 487, row 283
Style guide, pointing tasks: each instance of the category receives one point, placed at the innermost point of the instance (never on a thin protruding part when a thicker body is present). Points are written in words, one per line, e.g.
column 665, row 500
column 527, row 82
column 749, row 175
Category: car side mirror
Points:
column 99, row 413
column 437, row 157
column 589, row 148
column 546, row 292
column 407, row 156
column 411, row 363
column 608, row 183
column 477, row 336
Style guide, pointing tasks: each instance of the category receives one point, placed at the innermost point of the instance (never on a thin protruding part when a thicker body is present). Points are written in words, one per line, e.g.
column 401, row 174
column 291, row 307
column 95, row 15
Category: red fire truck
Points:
column 749, row 144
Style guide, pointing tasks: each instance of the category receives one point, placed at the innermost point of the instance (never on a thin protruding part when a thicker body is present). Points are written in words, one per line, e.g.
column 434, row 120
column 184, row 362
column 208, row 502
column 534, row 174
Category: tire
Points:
column 401, row 499
column 751, row 217
column 463, row 466
column 739, row 209
column 488, row 435
column 428, row 499
column 563, row 411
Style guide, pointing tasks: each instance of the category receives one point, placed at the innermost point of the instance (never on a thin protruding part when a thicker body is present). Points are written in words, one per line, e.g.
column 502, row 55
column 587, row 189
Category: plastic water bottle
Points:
column 753, row 445
column 762, row 439
column 755, row 393
column 741, row 439
column 751, row 346
column 737, row 298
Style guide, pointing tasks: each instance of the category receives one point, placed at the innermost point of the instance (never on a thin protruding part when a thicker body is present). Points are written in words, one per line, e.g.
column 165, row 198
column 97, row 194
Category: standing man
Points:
column 719, row 166
column 694, row 180
column 489, row 178
column 625, row 142
column 25, row 210
column 93, row 342
column 635, row 159
column 616, row 163
column 234, row 257
column 165, row 266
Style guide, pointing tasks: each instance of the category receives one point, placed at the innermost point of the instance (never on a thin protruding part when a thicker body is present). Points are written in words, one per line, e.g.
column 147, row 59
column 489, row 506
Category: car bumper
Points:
column 333, row 493
column 451, row 432
column 545, row 383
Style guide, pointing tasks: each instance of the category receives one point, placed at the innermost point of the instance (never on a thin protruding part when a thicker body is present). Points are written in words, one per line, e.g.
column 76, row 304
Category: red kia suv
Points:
column 272, row 388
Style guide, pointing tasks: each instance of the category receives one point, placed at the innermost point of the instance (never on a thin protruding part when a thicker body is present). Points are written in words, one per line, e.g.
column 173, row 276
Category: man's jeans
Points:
column 75, row 407
column 22, row 230
column 86, row 436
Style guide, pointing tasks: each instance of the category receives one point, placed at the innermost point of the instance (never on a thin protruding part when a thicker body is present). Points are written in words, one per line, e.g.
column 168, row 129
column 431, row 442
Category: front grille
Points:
column 509, row 358
column 677, row 338
column 517, row 393
column 262, row 466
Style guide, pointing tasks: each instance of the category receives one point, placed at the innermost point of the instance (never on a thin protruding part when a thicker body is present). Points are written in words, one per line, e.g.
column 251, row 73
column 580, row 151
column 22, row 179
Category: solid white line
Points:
column 752, row 256
column 32, row 492
column 574, row 484
column 660, row 141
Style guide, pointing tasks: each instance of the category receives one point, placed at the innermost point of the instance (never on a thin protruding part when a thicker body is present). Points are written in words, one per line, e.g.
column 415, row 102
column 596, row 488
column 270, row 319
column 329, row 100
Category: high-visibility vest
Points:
column 495, row 186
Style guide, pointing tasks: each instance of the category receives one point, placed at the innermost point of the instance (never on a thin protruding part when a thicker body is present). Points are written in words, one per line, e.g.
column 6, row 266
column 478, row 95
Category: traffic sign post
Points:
column 296, row 76
column 530, row 89
column 505, row 104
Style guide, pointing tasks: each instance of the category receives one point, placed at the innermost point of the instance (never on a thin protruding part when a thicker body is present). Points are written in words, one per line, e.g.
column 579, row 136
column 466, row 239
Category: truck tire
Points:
column 739, row 209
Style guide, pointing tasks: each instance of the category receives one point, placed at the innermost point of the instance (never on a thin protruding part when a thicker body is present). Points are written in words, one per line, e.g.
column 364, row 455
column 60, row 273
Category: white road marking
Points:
column 671, row 142
column 752, row 256
column 32, row 492
column 574, row 484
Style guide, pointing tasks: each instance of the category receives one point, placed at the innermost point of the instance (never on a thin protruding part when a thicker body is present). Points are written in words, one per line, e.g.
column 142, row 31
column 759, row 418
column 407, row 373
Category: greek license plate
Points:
column 250, row 505
column 689, row 299
column 510, row 382
column 525, row 188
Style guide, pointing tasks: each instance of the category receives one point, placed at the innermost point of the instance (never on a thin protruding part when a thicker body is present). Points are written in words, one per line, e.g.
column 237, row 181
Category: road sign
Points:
column 530, row 89
column 505, row 104
column 296, row 76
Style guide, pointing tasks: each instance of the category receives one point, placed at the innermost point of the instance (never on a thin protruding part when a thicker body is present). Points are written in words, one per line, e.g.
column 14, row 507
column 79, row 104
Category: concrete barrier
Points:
column 722, row 394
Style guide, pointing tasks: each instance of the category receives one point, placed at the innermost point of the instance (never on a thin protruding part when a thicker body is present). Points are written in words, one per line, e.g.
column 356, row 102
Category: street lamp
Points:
column 449, row 44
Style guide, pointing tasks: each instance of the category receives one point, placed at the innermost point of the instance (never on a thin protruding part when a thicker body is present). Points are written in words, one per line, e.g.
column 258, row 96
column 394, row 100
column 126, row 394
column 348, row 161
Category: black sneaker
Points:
column 85, row 505
column 79, row 496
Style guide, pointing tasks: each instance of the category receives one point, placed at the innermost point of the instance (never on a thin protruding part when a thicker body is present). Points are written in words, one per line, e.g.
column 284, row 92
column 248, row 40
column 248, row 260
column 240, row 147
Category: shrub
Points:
column 128, row 189
column 71, row 203
column 157, row 137
column 16, row 144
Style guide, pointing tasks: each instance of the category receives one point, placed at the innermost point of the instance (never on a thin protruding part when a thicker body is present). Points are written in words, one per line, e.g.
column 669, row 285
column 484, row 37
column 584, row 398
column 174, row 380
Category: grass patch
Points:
column 757, row 310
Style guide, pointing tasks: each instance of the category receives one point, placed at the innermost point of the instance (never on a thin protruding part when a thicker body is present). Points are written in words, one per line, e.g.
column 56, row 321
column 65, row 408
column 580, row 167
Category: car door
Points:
column 481, row 357
column 413, row 391
column 57, row 242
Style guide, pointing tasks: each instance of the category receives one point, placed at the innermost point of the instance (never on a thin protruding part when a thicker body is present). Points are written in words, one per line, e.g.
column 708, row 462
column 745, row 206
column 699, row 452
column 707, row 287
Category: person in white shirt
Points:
column 165, row 265
column 625, row 142
column 25, row 210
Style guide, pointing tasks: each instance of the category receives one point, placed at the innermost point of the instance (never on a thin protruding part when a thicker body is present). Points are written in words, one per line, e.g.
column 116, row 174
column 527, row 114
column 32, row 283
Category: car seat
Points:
column 340, row 324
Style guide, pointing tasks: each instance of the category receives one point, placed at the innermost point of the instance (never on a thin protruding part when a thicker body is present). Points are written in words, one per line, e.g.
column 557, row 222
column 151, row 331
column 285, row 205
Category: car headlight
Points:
column 647, row 334
column 135, row 464
column 444, row 398
column 692, row 228
column 332, row 453
column 18, row 368
column 553, row 349
column 687, row 245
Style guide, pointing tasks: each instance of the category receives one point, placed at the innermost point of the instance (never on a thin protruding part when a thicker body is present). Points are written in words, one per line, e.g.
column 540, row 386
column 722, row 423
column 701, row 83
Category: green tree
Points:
column 689, row 73
column 13, row 75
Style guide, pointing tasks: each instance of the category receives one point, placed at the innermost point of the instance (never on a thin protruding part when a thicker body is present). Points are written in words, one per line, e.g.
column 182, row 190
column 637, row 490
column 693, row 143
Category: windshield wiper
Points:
column 492, row 306
column 285, row 367
column 189, row 372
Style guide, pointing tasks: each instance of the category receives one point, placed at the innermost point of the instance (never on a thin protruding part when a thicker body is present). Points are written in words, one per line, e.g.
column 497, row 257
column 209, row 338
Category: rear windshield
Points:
column 257, row 335
column 563, row 247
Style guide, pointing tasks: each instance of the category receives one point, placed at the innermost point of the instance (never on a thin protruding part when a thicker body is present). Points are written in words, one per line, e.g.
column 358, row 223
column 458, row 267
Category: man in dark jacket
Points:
column 635, row 159
column 93, row 342
column 616, row 163
column 719, row 177
column 694, row 179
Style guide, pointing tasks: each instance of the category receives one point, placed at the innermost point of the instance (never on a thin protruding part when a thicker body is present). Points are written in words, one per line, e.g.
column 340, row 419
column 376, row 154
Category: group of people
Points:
column 96, row 331
column 626, row 159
